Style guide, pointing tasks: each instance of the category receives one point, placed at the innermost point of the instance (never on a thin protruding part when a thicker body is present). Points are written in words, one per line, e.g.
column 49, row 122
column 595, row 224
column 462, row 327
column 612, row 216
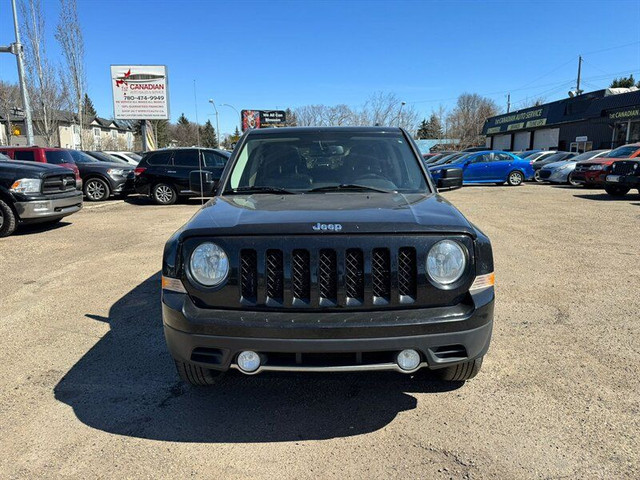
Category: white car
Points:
column 129, row 157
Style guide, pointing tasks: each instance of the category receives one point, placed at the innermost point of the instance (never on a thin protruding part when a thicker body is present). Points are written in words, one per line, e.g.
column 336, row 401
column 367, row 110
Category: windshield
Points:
column 447, row 159
column 103, row 157
column 3, row 157
column 81, row 157
column 586, row 155
column 556, row 157
column 622, row 152
column 134, row 156
column 56, row 157
column 527, row 154
column 302, row 161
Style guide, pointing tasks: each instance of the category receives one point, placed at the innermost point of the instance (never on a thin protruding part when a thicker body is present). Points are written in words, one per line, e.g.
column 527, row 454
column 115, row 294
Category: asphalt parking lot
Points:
column 87, row 388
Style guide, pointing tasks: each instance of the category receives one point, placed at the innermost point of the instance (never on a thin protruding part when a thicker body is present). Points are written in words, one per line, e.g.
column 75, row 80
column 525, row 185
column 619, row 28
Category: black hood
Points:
column 32, row 169
column 330, row 213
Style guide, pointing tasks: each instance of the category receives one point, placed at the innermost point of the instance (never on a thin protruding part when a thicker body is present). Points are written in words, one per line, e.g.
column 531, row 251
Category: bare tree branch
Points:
column 69, row 35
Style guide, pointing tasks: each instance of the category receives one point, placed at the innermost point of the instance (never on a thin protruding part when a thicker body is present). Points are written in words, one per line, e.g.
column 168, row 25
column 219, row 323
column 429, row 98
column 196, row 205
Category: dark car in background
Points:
column 549, row 159
column 164, row 175
column 101, row 179
column 34, row 192
column 54, row 156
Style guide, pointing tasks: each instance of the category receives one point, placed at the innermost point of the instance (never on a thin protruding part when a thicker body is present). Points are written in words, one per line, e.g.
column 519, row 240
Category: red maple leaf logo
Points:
column 123, row 79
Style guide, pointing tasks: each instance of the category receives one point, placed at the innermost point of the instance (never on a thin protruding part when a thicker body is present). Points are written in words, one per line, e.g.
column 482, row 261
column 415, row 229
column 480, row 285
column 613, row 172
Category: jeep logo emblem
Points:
column 327, row 227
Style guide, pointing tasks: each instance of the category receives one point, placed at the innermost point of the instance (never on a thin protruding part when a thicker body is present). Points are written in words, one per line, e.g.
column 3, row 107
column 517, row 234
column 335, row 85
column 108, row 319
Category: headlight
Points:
column 435, row 172
column 26, row 185
column 446, row 262
column 596, row 167
column 115, row 172
column 209, row 264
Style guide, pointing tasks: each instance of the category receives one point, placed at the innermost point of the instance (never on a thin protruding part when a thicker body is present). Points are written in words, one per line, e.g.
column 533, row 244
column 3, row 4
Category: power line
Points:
column 612, row 48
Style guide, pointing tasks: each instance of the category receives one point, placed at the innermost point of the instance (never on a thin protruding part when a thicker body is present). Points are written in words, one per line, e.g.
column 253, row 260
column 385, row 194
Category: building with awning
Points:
column 595, row 120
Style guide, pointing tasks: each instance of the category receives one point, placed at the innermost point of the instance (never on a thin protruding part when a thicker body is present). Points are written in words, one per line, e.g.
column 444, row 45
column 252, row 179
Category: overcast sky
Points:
column 267, row 55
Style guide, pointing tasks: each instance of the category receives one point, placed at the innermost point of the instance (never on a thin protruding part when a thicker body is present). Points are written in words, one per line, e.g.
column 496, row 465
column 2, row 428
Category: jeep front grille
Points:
column 625, row 168
column 329, row 273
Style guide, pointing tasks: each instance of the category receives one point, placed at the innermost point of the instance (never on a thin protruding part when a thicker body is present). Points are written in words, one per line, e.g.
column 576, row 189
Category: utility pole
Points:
column 16, row 49
column 195, row 102
column 508, row 102
column 578, row 91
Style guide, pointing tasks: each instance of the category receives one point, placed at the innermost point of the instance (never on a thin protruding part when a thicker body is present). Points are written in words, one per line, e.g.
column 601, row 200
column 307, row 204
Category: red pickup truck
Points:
column 594, row 172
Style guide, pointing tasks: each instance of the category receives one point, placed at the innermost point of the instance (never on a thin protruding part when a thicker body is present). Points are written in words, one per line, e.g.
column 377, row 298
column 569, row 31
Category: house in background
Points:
column 98, row 134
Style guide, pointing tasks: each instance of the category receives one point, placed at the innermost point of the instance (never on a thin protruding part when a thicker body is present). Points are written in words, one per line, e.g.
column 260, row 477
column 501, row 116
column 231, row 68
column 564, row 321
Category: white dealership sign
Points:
column 140, row 92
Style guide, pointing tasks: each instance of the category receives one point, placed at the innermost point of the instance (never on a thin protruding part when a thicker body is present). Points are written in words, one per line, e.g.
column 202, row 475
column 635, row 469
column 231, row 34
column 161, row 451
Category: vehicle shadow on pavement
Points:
column 144, row 201
column 127, row 385
column 31, row 229
column 605, row 197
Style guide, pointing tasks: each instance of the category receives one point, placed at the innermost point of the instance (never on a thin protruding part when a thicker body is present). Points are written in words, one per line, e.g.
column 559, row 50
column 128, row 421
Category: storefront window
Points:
column 634, row 132
column 620, row 134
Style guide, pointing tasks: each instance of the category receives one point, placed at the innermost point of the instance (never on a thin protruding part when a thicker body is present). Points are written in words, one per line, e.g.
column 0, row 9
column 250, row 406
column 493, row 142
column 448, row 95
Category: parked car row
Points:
column 617, row 171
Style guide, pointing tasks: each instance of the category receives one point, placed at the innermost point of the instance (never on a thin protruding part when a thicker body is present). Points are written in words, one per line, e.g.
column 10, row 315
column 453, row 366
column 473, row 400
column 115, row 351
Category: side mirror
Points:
column 201, row 181
column 450, row 179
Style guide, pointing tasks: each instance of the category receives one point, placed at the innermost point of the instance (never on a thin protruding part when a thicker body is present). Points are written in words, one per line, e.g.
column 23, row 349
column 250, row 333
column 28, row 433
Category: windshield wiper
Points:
column 349, row 186
column 261, row 189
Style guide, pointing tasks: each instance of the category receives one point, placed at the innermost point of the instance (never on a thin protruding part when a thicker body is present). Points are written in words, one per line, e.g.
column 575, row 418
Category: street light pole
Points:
column 217, row 124
column 399, row 117
column 16, row 49
column 231, row 106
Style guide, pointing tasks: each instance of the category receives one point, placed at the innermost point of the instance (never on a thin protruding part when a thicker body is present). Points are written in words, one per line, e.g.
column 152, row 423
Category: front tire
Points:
column 515, row 178
column 96, row 190
column 537, row 177
column 196, row 375
column 572, row 182
column 616, row 191
column 461, row 372
column 164, row 194
column 8, row 221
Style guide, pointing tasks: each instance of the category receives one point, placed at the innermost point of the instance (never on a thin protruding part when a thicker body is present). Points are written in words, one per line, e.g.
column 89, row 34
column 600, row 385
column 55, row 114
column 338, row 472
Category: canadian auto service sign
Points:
column 140, row 92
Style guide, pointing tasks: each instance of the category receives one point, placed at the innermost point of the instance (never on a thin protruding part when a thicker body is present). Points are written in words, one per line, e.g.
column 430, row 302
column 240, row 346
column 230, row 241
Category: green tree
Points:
column 208, row 135
column 89, row 109
column 185, row 132
column 430, row 129
column 423, row 131
column 624, row 82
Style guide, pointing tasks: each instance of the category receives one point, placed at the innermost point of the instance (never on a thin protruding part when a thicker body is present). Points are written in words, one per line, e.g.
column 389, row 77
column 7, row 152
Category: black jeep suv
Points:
column 164, row 174
column 32, row 192
column 327, row 249
column 625, row 175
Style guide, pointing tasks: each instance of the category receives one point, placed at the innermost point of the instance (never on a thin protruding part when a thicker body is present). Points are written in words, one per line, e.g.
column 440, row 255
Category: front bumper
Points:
column 46, row 208
column 317, row 341
column 559, row 176
column 121, row 185
column 631, row 181
column 595, row 177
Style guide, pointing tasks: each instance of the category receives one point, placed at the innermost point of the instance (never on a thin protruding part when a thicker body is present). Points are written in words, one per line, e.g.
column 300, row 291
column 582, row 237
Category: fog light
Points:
column 248, row 361
column 408, row 360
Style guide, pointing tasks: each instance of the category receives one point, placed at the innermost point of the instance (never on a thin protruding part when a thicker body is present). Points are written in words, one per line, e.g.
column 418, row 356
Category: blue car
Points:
column 489, row 166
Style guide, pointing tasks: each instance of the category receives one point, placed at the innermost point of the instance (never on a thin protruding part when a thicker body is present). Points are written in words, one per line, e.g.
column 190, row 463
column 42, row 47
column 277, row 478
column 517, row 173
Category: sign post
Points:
column 140, row 92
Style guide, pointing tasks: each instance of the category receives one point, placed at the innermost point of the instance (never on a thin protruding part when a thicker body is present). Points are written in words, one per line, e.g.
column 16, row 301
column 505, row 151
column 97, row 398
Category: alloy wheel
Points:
column 96, row 190
column 164, row 194
column 515, row 178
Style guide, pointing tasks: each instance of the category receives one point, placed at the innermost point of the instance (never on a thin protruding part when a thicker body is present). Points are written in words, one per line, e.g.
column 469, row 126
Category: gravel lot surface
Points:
column 88, row 390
